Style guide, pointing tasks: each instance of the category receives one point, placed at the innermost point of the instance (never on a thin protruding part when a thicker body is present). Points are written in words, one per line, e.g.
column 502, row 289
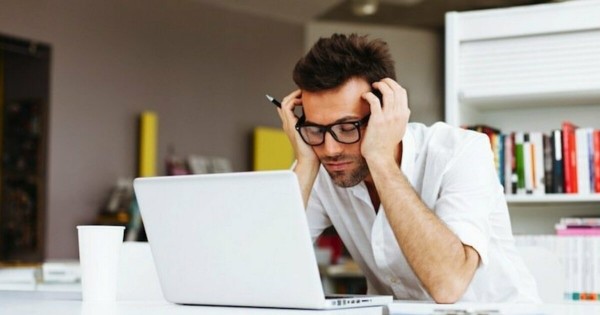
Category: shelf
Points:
column 485, row 100
column 552, row 198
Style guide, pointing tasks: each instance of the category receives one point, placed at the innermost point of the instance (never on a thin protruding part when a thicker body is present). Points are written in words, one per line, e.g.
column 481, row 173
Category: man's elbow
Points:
column 450, row 289
column 449, row 292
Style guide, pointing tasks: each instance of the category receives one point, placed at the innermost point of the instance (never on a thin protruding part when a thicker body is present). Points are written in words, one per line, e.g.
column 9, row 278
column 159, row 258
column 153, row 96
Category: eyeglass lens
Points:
column 344, row 133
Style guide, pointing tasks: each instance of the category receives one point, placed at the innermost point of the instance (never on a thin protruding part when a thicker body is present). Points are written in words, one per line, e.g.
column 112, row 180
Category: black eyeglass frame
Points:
column 327, row 128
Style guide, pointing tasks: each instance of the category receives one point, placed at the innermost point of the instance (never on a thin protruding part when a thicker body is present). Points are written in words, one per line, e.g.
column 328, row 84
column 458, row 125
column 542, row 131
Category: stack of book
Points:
column 567, row 160
column 577, row 247
column 578, row 226
column 19, row 277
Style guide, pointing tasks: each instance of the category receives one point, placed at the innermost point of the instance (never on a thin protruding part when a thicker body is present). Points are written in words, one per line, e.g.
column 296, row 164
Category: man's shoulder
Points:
column 442, row 137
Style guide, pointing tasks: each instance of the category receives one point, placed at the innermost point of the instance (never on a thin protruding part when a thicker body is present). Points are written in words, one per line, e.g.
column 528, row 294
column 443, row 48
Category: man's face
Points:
column 343, row 162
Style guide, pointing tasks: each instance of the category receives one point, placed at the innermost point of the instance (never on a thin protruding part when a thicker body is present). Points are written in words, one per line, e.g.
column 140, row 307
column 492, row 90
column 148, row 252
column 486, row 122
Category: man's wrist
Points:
column 381, row 164
column 307, row 165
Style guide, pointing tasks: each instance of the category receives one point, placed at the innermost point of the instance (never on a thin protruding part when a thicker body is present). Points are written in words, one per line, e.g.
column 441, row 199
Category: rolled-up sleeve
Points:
column 469, row 186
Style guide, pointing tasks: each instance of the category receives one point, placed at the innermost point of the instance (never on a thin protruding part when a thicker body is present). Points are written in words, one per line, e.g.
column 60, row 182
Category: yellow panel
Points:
column 272, row 149
column 148, row 142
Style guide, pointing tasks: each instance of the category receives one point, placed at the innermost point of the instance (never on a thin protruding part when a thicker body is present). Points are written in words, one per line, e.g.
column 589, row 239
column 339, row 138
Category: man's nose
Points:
column 331, row 146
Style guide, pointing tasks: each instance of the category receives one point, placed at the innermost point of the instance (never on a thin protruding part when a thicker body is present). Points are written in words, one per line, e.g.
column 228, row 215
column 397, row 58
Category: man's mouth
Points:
column 337, row 166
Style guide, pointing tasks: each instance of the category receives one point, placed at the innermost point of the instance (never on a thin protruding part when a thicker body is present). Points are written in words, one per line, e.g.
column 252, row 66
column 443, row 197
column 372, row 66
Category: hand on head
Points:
column 304, row 152
column 388, row 121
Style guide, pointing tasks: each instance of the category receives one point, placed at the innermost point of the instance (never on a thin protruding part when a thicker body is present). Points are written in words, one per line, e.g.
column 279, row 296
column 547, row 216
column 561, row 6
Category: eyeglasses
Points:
column 344, row 132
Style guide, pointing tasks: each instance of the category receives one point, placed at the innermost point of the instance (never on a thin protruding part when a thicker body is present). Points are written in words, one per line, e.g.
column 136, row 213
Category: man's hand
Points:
column 307, row 162
column 388, row 121
column 304, row 152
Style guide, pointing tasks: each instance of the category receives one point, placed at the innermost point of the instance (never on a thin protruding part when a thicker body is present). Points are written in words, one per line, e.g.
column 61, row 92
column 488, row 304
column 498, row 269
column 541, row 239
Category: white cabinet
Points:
column 527, row 68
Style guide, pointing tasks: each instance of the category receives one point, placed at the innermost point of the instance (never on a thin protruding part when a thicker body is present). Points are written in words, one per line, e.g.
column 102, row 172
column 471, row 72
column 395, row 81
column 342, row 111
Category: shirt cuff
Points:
column 474, row 237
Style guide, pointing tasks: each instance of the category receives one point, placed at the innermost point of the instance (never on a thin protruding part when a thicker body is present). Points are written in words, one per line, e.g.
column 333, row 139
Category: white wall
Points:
column 204, row 70
column 419, row 62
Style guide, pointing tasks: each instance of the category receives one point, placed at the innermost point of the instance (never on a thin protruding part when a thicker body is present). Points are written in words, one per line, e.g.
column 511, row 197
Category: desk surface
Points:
column 68, row 303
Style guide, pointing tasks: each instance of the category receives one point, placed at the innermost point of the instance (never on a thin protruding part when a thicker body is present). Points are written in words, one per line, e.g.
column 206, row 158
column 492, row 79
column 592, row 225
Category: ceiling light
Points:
column 364, row 7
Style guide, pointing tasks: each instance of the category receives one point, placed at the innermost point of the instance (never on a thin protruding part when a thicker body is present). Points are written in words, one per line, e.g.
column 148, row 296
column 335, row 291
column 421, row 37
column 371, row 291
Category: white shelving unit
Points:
column 527, row 68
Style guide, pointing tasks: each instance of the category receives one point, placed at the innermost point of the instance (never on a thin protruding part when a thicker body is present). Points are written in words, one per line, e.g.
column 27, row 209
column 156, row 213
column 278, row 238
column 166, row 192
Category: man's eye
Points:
column 346, row 128
column 314, row 131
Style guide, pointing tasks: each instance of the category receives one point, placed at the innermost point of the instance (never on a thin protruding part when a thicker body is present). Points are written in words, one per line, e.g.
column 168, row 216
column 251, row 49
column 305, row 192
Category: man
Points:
column 420, row 209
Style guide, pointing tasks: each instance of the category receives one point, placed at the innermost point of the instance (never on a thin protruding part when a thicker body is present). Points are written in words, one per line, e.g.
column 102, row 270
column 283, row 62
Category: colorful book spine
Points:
column 596, row 158
column 520, row 162
column 548, row 162
column 509, row 164
column 569, row 157
column 537, row 143
column 558, row 183
column 583, row 165
column 565, row 161
column 528, row 162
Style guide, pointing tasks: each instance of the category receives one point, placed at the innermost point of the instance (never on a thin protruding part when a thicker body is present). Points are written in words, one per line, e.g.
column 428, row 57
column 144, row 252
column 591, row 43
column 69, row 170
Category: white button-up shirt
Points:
column 452, row 170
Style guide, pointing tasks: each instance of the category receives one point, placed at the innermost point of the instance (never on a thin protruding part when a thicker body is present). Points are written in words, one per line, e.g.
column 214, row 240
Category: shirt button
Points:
column 394, row 280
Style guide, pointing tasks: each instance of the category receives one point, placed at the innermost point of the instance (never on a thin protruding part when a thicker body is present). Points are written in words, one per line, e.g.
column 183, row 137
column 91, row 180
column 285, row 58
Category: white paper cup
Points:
column 99, row 249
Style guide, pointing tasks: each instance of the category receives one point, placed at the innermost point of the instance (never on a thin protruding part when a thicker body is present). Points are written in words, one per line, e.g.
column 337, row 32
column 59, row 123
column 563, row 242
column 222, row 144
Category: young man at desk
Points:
column 420, row 209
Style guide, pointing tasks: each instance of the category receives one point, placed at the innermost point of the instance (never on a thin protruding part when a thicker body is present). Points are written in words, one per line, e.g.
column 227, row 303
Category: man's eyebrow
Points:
column 341, row 120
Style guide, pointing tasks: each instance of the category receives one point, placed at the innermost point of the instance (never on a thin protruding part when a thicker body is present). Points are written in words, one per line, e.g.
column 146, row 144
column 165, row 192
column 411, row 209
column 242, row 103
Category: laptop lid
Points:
column 231, row 239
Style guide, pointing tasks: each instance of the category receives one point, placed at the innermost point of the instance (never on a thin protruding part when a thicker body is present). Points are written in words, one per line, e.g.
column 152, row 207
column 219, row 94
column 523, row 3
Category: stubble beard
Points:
column 351, row 177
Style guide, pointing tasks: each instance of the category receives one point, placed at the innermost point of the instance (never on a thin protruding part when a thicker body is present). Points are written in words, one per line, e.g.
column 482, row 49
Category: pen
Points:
column 273, row 100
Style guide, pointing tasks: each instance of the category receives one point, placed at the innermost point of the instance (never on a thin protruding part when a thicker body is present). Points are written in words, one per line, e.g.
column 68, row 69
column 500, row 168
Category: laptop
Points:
column 235, row 239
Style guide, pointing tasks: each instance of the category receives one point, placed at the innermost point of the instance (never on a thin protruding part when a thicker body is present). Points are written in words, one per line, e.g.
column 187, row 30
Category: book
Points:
column 583, row 165
column 596, row 158
column 510, row 177
column 569, row 157
column 580, row 221
column 528, row 163
column 548, row 163
column 537, row 143
column 563, row 230
column 61, row 271
column 590, row 159
column 19, row 275
column 520, row 162
column 557, row 163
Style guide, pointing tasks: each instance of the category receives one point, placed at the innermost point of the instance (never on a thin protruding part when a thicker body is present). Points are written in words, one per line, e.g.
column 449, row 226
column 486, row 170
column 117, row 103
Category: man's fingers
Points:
column 373, row 101
column 399, row 92
column 286, row 112
column 394, row 95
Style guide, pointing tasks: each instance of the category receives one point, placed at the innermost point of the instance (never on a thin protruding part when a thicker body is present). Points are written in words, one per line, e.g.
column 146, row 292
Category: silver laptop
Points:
column 235, row 239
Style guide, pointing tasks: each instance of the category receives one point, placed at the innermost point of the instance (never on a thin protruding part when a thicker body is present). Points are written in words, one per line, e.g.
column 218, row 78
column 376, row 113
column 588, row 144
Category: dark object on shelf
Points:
column 24, row 94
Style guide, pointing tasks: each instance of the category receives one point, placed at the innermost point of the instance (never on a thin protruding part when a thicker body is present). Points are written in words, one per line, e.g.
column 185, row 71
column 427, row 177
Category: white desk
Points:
column 568, row 308
column 69, row 303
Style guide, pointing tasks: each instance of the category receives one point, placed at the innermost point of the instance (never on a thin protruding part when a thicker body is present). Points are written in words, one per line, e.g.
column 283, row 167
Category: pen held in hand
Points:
column 273, row 100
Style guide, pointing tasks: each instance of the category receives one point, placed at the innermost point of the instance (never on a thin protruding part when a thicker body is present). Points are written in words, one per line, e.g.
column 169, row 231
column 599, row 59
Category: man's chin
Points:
column 343, row 179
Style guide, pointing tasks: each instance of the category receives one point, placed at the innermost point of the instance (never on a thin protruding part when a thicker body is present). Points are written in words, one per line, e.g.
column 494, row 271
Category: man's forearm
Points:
column 306, row 173
column 441, row 262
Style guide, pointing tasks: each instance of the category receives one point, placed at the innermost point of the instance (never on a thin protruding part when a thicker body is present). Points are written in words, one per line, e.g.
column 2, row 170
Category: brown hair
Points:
column 332, row 61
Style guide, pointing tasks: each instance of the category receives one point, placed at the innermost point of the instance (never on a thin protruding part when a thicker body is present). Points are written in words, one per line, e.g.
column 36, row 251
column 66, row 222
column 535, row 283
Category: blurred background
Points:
column 75, row 76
